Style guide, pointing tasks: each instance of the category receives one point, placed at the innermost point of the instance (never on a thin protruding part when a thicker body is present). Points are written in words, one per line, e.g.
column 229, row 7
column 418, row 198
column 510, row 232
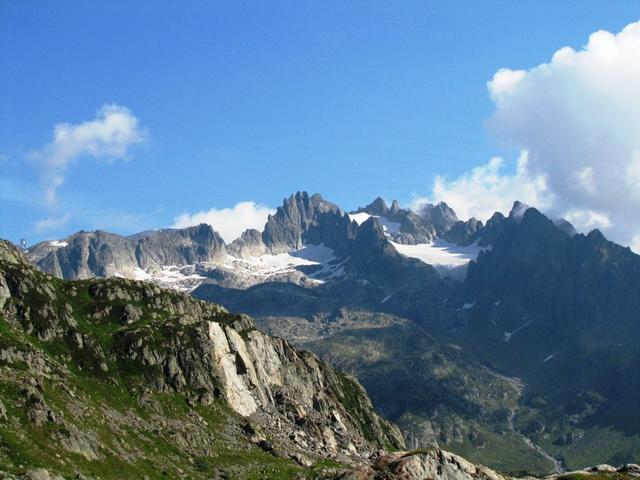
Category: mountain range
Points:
column 513, row 343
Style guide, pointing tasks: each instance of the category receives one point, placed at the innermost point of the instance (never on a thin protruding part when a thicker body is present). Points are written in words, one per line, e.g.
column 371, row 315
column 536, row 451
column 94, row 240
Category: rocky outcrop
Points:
column 138, row 340
column 412, row 229
column 440, row 216
column 102, row 254
column 249, row 244
column 306, row 219
column 461, row 232
column 422, row 464
column 185, row 246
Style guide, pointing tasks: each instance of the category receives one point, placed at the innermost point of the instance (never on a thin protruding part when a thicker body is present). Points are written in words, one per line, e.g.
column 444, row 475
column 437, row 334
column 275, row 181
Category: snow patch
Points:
column 58, row 244
column 389, row 227
column 140, row 274
column 180, row 278
column 265, row 266
column 359, row 218
column 449, row 259
column 183, row 278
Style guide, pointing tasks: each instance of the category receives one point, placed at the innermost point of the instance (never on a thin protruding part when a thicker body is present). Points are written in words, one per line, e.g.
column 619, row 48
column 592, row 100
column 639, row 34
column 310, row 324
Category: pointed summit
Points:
column 377, row 207
column 518, row 209
column 302, row 218
column 440, row 216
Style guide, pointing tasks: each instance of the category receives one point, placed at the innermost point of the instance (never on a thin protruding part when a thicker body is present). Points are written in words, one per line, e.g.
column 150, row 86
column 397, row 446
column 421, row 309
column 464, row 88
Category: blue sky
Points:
column 251, row 101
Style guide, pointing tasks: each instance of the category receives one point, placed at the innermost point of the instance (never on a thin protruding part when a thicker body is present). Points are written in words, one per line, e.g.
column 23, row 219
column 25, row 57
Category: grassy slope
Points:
column 113, row 434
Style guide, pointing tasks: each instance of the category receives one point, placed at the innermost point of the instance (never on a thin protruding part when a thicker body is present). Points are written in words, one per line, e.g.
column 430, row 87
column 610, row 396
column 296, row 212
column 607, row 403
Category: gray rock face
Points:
column 4, row 291
column 102, row 254
column 412, row 228
column 90, row 254
column 461, row 232
column 304, row 219
column 565, row 226
column 378, row 207
column 441, row 216
column 179, row 246
column 249, row 244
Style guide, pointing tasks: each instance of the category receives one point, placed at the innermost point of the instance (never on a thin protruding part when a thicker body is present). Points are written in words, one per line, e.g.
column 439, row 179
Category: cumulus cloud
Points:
column 228, row 222
column 578, row 117
column 488, row 188
column 109, row 136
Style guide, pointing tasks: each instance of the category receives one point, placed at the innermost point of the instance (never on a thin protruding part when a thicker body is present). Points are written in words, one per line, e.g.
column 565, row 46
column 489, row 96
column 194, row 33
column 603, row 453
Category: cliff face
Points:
column 102, row 254
column 124, row 373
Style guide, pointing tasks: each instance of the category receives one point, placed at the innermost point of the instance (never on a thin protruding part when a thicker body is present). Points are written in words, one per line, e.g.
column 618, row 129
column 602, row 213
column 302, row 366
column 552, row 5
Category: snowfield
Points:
column 359, row 218
column 319, row 262
column 267, row 266
column 183, row 278
column 389, row 227
column 448, row 258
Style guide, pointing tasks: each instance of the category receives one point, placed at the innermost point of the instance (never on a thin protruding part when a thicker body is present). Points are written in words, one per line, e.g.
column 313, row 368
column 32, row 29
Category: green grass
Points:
column 132, row 440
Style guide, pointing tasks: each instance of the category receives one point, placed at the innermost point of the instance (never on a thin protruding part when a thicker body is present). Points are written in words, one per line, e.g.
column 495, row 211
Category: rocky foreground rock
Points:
column 121, row 379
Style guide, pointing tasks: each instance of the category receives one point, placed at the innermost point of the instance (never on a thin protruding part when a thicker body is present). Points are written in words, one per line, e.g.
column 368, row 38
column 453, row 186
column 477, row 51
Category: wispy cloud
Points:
column 109, row 136
column 51, row 223
column 228, row 222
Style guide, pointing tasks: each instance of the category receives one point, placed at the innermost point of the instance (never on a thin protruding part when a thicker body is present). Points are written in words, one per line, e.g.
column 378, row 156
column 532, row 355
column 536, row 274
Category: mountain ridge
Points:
column 359, row 295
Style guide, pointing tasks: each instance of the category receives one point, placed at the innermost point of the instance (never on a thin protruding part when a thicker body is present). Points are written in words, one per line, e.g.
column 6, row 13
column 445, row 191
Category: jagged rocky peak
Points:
column 400, row 225
column 303, row 219
column 440, row 216
column 518, row 209
column 377, row 207
column 462, row 232
column 566, row 226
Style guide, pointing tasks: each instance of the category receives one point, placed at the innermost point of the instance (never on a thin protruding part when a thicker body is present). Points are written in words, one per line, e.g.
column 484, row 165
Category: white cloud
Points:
column 586, row 220
column 228, row 222
column 585, row 180
column 487, row 189
column 578, row 116
column 109, row 136
column 51, row 223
